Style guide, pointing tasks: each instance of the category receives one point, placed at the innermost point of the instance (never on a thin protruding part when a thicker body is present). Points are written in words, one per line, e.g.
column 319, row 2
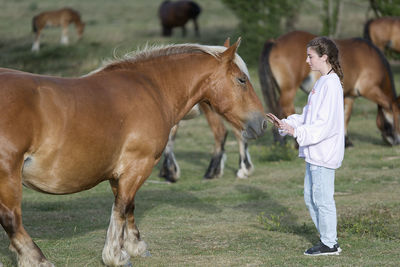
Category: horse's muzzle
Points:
column 255, row 126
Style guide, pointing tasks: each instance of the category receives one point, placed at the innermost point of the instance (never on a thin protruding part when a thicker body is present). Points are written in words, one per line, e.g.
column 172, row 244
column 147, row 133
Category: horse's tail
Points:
column 269, row 86
column 195, row 10
column 34, row 27
column 366, row 30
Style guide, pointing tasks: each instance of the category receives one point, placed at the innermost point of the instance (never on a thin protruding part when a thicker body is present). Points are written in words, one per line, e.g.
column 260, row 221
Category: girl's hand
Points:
column 286, row 128
column 273, row 119
column 280, row 124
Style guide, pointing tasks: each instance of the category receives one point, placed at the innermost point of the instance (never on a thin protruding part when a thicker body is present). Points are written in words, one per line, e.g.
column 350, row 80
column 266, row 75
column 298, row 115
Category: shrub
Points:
column 260, row 20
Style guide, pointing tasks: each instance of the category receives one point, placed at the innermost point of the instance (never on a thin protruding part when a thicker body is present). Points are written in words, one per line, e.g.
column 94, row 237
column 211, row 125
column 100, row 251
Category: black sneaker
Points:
column 322, row 249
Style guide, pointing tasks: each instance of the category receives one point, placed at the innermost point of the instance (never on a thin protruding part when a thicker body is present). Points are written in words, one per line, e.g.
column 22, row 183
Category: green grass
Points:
column 261, row 221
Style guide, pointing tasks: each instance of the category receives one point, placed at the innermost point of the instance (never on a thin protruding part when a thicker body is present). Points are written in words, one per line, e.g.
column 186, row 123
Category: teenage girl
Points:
column 319, row 131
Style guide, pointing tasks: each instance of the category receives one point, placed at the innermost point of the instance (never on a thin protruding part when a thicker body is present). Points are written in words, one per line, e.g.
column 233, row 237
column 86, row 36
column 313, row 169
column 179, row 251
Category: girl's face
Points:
column 316, row 62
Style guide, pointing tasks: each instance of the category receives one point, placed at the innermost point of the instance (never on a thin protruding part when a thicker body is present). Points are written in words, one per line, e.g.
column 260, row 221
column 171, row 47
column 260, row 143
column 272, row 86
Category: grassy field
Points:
column 261, row 221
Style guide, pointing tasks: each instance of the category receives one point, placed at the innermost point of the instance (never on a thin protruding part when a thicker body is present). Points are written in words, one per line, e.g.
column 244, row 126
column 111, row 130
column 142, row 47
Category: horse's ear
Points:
column 229, row 54
column 227, row 42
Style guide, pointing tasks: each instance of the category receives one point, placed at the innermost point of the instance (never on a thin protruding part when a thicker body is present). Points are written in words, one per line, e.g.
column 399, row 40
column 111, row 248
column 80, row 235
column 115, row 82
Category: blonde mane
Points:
column 150, row 52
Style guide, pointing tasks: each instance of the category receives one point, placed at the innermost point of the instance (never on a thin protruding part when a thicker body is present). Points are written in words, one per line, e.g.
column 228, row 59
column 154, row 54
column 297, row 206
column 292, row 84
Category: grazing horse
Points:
column 66, row 135
column 384, row 32
column 170, row 169
column 60, row 18
column 177, row 14
column 283, row 69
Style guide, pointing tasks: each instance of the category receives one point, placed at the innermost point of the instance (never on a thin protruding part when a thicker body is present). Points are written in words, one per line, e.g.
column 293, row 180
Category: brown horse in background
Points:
column 283, row 69
column 177, row 14
column 60, row 18
column 170, row 169
column 66, row 135
column 384, row 32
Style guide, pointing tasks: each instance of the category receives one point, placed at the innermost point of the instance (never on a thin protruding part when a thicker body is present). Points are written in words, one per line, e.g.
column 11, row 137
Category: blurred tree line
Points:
column 383, row 8
column 260, row 20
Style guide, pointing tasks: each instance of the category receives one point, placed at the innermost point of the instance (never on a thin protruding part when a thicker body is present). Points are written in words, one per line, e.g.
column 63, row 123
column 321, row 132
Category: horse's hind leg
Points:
column 28, row 253
column 388, row 114
column 170, row 168
column 245, row 165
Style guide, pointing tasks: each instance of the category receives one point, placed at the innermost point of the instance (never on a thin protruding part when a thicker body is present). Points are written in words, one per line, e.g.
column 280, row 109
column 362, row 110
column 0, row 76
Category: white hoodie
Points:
column 319, row 130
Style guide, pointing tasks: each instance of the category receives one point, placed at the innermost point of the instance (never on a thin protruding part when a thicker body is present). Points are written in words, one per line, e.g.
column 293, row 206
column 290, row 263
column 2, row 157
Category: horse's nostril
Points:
column 264, row 124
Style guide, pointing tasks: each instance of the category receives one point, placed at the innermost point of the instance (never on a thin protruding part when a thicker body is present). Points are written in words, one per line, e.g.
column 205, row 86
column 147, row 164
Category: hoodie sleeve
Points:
column 293, row 120
column 325, row 122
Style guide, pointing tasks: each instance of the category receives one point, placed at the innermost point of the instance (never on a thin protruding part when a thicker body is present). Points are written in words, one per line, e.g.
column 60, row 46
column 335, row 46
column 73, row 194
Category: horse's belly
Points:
column 52, row 180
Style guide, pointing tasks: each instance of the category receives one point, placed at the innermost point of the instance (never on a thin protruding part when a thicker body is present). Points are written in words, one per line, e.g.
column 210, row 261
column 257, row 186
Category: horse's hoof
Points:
column 348, row 143
column 168, row 174
column 169, row 178
column 242, row 174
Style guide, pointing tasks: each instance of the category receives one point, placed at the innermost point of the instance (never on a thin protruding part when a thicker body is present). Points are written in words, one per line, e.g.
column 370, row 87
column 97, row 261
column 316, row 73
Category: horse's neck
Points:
column 182, row 81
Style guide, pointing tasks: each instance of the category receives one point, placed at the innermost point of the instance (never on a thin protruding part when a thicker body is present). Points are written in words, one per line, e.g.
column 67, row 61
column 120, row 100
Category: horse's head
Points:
column 388, row 123
column 232, row 95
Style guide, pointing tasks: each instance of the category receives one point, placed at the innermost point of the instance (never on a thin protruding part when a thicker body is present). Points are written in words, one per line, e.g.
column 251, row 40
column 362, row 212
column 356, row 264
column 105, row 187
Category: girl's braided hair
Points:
column 325, row 46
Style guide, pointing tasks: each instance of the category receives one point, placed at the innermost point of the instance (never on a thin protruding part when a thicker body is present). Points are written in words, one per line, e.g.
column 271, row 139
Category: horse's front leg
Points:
column 36, row 42
column 183, row 30
column 123, row 237
column 348, row 107
column 216, row 167
column 196, row 28
column 28, row 253
column 64, row 33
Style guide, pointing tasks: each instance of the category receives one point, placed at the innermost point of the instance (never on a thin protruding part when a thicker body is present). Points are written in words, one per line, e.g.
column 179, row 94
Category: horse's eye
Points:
column 242, row 80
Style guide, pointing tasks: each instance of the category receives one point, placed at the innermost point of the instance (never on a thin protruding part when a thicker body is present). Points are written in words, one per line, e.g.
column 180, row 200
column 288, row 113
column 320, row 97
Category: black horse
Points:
column 177, row 14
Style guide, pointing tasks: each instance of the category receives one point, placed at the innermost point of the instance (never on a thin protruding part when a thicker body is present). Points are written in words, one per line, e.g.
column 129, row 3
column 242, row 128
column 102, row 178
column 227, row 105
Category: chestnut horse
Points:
column 384, row 32
column 60, row 18
column 170, row 169
column 283, row 69
column 177, row 14
column 66, row 135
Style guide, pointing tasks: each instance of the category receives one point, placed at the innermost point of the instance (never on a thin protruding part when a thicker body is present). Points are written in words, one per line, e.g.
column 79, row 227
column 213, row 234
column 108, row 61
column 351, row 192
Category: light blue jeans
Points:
column 319, row 187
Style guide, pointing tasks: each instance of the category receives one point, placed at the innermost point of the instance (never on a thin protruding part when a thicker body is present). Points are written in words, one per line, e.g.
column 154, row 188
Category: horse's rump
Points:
column 366, row 34
column 359, row 58
column 384, row 32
